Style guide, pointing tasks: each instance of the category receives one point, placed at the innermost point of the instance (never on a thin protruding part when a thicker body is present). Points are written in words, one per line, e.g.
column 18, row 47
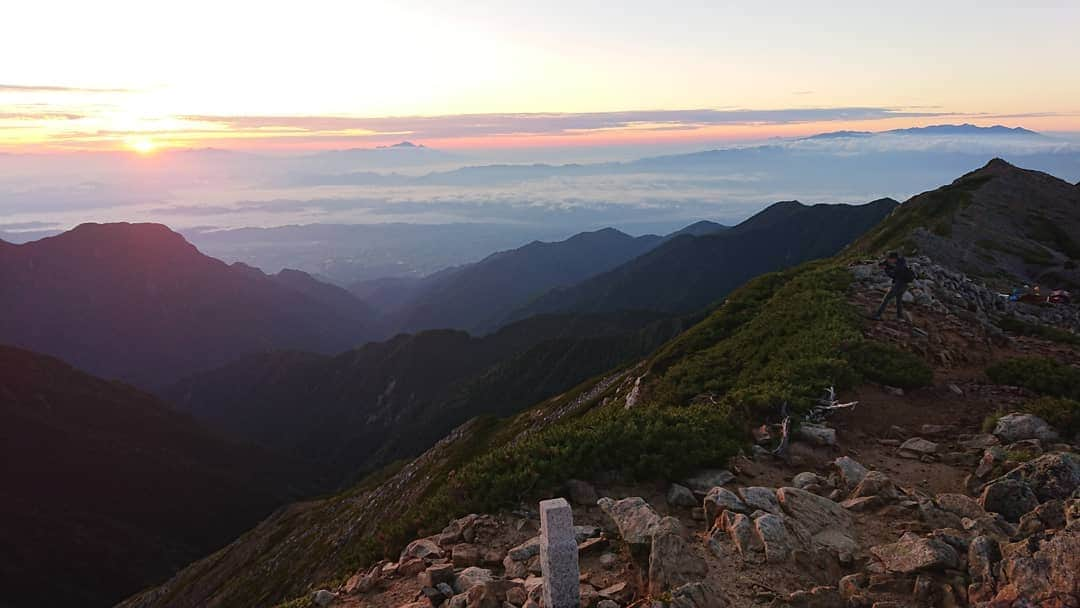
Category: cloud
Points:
column 493, row 125
column 40, row 88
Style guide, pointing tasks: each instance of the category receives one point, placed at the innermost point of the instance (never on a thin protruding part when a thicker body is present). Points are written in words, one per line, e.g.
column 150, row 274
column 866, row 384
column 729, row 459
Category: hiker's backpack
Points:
column 906, row 274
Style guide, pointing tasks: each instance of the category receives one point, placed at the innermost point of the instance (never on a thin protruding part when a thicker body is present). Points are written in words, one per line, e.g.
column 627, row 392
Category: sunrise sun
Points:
column 142, row 145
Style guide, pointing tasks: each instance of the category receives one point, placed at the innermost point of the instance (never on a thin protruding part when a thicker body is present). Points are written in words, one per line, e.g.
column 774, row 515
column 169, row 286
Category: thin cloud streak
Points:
column 48, row 88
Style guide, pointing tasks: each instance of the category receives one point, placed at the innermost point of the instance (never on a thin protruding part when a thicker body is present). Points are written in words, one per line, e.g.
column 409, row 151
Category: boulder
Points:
column 525, row 550
column 438, row 573
column 876, row 483
column 471, row 577
column 719, row 500
column 763, row 499
column 910, row 555
column 465, row 555
column 671, row 562
column 462, row 529
column 702, row 481
column 983, row 557
column 323, row 597
column 681, row 496
column 1017, row 427
column 774, row 535
column 816, row 434
column 807, row 478
column 635, row 519
column 581, row 493
column 423, row 548
column 1050, row 515
column 366, row 580
column 411, row 566
column 1041, row 571
column 960, row 505
column 744, row 536
column 850, row 471
column 1051, row 476
column 1011, row 498
column 813, row 512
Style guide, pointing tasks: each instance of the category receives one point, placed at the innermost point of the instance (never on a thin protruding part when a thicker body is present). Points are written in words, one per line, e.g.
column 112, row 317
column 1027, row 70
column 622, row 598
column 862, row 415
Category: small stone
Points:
column 862, row 503
column 876, row 483
column 525, row 550
column 608, row 560
column 471, row 577
column 936, row 429
column 919, row 447
column 619, row 592
column 961, row 505
column 807, row 478
column 912, row 555
column 438, row 573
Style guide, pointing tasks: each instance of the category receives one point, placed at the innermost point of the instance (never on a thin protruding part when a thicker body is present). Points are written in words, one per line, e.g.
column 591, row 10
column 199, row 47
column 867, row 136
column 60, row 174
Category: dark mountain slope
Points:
column 1005, row 224
column 139, row 303
column 689, row 272
column 106, row 490
column 478, row 297
column 395, row 398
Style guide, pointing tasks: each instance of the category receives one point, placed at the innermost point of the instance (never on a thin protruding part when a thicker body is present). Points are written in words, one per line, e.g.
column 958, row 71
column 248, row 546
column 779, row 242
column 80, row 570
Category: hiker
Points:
column 896, row 267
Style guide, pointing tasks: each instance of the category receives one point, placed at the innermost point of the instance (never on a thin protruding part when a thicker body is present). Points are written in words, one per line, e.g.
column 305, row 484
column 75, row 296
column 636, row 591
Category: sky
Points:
column 458, row 74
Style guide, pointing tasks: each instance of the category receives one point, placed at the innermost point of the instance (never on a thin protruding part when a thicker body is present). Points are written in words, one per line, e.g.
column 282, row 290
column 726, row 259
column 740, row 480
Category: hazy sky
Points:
column 116, row 73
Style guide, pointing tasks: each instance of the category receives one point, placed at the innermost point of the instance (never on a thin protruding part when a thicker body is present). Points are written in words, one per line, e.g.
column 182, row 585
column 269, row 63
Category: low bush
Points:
column 1062, row 414
column 1046, row 332
column 1040, row 374
column 885, row 364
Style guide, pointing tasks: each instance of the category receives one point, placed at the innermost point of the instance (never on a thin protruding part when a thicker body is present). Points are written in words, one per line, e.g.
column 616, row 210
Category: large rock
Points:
column 813, row 512
column 763, row 499
column 1011, row 498
column 983, row 557
column 878, row 484
column 525, row 550
column 850, row 471
column 1051, row 476
column 719, row 500
column 681, row 496
column 1042, row 571
column 1017, row 427
column 671, row 562
column 910, row 555
column 816, row 434
column 635, row 519
column 960, row 505
column 774, row 535
column 471, row 577
column 743, row 535
column 424, row 548
column 702, row 481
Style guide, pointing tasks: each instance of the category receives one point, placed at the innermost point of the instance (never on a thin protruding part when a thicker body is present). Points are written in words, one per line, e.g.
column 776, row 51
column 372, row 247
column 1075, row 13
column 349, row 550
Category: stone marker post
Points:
column 559, row 555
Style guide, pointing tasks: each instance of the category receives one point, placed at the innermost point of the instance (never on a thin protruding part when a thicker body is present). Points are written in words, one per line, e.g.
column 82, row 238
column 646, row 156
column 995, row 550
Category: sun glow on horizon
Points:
column 142, row 145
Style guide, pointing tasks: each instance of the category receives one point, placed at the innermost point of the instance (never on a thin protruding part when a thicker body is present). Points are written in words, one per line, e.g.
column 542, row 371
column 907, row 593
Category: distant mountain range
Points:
column 107, row 490
column 935, row 130
column 139, row 303
column 478, row 297
column 689, row 272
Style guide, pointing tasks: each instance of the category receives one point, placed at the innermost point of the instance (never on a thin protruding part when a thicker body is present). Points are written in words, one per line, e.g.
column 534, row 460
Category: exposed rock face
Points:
column 635, row 519
column 1018, row 427
column 1009, row 497
column 910, row 555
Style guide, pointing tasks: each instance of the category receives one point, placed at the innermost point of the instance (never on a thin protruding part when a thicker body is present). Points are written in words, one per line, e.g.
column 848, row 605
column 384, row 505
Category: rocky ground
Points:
column 900, row 501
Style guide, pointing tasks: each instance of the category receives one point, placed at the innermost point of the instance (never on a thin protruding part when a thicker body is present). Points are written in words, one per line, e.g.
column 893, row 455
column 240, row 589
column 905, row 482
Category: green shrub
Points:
column 1062, row 414
column 886, row 364
column 990, row 422
column 1046, row 332
column 1040, row 374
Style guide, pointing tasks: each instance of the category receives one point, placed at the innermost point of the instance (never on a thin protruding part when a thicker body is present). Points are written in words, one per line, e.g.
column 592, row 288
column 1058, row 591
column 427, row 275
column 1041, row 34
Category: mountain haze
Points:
column 139, row 303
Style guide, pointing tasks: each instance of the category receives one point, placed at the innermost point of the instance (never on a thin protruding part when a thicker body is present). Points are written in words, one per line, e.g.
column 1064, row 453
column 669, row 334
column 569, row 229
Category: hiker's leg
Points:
column 885, row 300
column 900, row 288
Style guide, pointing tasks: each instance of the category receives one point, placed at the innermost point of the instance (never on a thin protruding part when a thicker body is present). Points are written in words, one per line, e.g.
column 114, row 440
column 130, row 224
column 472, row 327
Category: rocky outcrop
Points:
column 1018, row 427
